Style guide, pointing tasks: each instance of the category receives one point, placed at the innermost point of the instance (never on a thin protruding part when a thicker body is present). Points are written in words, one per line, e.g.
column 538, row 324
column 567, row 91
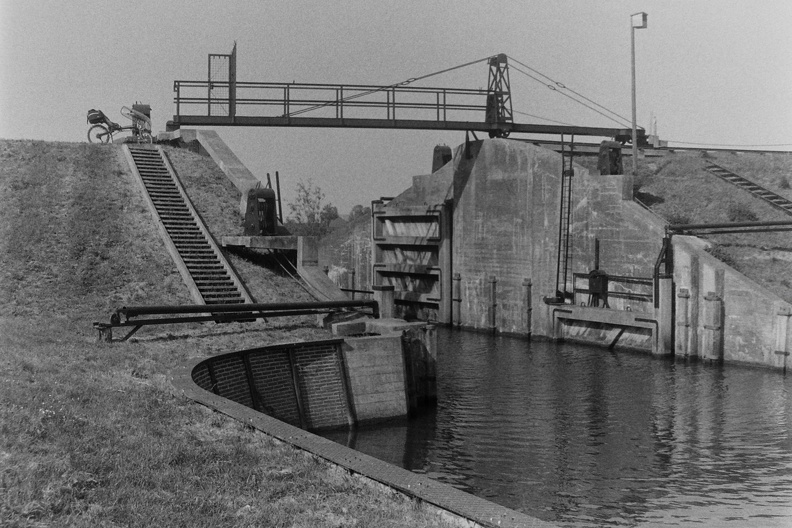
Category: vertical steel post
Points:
column 280, row 205
column 456, row 298
column 782, row 333
column 635, row 23
column 352, row 281
column 209, row 86
column 634, row 126
column 596, row 253
column 232, row 83
column 527, row 304
column 493, row 281
column 683, row 323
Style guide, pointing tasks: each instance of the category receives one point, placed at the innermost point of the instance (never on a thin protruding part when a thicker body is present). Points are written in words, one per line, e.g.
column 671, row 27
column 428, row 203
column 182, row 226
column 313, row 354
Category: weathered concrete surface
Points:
column 506, row 198
column 723, row 315
column 375, row 370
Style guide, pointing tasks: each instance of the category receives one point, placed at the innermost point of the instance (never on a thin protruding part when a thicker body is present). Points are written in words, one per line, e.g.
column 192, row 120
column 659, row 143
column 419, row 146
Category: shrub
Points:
column 677, row 217
column 720, row 253
column 740, row 212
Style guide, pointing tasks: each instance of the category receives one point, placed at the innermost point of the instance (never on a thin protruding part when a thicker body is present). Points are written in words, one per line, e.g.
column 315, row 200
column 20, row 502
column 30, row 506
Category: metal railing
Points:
column 293, row 99
column 354, row 291
column 642, row 282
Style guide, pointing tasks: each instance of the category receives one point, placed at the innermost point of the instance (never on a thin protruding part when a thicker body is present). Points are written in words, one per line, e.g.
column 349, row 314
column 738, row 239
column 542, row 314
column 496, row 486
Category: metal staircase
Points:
column 779, row 202
column 204, row 269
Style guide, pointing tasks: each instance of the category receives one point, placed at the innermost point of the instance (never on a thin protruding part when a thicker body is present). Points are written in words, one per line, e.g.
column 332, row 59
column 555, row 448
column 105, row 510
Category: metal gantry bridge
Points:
column 221, row 100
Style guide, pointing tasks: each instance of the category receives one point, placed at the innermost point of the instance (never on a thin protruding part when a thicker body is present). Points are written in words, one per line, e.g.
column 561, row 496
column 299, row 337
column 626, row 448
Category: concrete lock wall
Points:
column 721, row 315
column 505, row 198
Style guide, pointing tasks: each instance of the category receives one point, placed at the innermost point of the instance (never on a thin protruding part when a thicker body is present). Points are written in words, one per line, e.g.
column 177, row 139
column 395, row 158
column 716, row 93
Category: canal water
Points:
column 585, row 436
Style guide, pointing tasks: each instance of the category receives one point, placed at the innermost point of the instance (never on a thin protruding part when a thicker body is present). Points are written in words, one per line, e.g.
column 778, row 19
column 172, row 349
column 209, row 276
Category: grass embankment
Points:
column 91, row 434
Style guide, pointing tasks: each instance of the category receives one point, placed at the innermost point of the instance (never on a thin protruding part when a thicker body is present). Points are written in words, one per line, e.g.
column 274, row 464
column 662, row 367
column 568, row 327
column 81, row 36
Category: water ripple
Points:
column 587, row 437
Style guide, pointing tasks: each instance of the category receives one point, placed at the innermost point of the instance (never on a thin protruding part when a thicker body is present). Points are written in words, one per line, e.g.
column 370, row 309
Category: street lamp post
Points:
column 637, row 21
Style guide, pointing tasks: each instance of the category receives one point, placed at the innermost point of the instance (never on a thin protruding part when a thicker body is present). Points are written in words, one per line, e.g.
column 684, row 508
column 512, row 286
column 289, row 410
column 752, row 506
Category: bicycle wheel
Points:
column 99, row 134
column 145, row 137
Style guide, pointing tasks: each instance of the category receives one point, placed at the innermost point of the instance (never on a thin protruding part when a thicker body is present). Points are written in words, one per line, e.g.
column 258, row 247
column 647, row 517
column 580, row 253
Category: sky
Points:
column 715, row 72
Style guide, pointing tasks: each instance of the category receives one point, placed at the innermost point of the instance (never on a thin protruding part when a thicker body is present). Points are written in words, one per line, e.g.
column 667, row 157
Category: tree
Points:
column 309, row 216
column 359, row 211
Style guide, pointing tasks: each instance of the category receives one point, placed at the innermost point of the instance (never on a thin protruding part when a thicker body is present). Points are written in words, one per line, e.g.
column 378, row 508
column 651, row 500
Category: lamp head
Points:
column 638, row 20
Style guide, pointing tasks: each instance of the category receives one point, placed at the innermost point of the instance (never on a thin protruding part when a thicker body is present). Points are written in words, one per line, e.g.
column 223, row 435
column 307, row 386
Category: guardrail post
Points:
column 493, row 304
column 456, row 297
column 683, row 322
column 782, row 333
column 352, row 281
column 527, row 311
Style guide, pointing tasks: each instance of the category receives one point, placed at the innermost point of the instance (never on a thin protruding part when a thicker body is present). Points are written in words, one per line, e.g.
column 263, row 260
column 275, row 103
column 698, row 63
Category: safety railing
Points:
column 257, row 99
column 632, row 288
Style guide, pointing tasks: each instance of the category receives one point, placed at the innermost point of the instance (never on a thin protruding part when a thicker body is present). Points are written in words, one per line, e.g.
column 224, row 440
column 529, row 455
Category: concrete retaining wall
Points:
column 722, row 315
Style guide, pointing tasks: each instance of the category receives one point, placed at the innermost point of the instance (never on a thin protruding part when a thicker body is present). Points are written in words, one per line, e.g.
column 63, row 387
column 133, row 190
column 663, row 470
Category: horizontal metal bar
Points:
column 354, row 290
column 349, row 89
column 219, row 318
column 626, row 295
column 133, row 311
column 407, row 124
column 690, row 227
column 737, row 231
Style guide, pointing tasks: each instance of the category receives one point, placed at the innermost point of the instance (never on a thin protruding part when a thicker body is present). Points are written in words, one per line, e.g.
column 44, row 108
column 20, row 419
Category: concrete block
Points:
column 345, row 328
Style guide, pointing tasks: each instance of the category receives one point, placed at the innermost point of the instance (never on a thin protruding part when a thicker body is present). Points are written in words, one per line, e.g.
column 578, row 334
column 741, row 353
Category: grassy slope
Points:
column 677, row 188
column 91, row 433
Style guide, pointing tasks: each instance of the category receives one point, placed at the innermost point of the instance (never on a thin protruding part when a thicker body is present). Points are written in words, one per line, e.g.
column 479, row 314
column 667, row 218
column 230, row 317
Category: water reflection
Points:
column 588, row 437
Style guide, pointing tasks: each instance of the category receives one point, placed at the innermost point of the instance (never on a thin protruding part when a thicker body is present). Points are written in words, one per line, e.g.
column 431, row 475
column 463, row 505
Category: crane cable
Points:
column 383, row 88
column 725, row 145
column 557, row 86
column 542, row 118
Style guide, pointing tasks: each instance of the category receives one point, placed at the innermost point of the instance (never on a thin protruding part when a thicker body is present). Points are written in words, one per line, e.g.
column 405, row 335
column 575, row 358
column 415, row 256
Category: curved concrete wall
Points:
column 200, row 381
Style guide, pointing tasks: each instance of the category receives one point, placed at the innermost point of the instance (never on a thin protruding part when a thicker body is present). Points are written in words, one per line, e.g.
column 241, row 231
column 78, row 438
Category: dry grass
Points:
column 91, row 433
column 681, row 191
